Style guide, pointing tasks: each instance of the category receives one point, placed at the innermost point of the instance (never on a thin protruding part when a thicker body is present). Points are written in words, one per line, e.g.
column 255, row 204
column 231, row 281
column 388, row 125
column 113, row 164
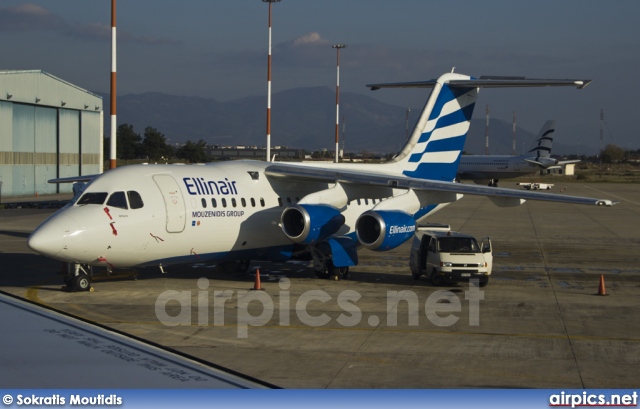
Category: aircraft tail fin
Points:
column 435, row 147
column 545, row 140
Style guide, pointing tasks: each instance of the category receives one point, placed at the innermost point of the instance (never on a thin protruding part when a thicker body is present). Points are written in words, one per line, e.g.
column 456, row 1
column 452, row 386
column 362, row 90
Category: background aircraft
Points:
column 234, row 212
column 491, row 168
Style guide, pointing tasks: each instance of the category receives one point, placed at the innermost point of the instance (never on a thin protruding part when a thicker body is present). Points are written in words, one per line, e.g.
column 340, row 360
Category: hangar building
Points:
column 49, row 128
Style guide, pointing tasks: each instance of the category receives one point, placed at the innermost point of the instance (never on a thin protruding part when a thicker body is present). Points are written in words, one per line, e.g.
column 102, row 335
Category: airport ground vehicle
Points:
column 444, row 255
column 536, row 186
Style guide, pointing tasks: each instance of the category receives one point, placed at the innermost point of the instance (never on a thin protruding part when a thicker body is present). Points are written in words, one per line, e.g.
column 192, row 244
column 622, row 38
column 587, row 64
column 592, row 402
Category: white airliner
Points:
column 234, row 212
column 492, row 168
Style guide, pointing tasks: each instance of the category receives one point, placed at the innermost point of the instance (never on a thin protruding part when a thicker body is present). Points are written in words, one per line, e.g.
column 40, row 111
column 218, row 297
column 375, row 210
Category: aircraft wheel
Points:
column 81, row 283
column 324, row 271
column 415, row 276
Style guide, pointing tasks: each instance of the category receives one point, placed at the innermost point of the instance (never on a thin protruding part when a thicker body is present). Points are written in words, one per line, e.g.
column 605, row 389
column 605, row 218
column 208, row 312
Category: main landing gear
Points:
column 324, row 268
column 235, row 267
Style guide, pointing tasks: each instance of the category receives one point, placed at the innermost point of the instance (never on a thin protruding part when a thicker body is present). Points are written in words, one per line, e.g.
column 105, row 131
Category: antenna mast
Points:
column 486, row 134
column 513, row 147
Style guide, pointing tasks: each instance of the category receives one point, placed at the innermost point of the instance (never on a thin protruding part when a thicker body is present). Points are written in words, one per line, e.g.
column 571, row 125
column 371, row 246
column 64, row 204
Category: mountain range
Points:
column 300, row 118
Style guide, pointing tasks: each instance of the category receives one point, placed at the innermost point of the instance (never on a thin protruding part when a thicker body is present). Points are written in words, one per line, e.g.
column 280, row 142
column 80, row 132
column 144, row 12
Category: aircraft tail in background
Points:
column 435, row 147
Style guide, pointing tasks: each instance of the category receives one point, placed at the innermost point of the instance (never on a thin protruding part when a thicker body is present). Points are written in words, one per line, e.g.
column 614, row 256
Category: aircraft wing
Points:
column 402, row 182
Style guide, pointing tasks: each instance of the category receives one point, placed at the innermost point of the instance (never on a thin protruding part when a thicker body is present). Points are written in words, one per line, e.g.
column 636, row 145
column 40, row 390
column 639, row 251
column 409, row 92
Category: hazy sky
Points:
column 218, row 49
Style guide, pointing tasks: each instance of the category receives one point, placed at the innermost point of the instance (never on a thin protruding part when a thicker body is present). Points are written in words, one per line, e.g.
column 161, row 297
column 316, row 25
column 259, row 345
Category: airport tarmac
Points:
column 538, row 324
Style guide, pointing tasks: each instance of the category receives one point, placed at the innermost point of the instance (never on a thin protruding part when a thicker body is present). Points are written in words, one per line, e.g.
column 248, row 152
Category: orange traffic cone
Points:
column 256, row 285
column 601, row 289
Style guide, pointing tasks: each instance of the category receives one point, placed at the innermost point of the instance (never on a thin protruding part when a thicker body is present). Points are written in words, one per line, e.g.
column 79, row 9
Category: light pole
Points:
column 406, row 128
column 338, row 47
column 269, row 84
column 114, row 121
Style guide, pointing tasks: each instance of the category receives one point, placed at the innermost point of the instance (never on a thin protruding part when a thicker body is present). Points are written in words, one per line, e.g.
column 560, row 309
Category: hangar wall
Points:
column 48, row 129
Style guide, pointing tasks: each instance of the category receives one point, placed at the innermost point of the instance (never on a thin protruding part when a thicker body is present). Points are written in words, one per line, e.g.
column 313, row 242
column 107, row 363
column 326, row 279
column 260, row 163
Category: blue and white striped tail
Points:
column 434, row 149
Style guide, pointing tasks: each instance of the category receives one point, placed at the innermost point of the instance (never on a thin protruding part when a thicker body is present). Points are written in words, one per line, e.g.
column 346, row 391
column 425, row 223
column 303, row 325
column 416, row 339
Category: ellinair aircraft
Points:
column 234, row 212
column 492, row 168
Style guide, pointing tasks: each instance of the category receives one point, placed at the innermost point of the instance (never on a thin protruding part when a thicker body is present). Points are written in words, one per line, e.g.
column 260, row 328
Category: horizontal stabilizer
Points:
column 488, row 82
column 73, row 179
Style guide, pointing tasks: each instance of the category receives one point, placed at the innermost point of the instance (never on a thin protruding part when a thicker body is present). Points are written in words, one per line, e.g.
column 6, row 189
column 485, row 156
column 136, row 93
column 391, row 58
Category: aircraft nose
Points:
column 53, row 235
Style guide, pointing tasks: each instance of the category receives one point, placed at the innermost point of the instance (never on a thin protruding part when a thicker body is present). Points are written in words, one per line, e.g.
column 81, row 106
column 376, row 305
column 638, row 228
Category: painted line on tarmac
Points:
column 610, row 194
column 373, row 329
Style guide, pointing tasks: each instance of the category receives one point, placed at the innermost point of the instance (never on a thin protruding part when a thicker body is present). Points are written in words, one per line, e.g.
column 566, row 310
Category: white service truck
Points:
column 535, row 185
column 444, row 255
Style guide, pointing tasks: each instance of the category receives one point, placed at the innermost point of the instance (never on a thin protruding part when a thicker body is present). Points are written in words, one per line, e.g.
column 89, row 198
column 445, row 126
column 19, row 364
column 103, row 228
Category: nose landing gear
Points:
column 78, row 279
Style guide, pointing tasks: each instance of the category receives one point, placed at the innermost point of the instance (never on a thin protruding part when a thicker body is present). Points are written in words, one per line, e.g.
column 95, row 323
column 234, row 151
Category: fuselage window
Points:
column 244, row 202
column 358, row 201
column 366, row 202
column 288, row 200
column 204, row 203
column 92, row 198
column 233, row 201
column 279, row 201
column 262, row 202
column 135, row 201
column 253, row 202
column 297, row 199
column 118, row 200
column 224, row 202
column 214, row 203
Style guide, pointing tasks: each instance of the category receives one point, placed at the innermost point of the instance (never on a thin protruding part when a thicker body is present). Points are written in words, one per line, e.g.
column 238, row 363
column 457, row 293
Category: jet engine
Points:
column 309, row 224
column 384, row 230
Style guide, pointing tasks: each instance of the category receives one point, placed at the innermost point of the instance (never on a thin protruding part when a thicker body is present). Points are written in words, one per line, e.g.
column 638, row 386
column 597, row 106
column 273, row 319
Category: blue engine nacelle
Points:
column 309, row 224
column 384, row 230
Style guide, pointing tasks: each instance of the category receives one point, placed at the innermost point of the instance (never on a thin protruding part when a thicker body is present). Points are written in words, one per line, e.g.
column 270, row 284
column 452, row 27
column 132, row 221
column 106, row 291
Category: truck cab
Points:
column 448, row 256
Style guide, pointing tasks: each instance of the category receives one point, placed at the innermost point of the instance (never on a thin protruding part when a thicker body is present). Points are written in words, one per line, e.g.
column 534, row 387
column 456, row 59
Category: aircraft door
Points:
column 431, row 255
column 516, row 164
column 173, row 202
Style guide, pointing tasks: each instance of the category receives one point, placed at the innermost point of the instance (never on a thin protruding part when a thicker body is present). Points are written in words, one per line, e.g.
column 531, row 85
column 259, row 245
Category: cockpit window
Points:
column 135, row 201
column 92, row 198
column 117, row 199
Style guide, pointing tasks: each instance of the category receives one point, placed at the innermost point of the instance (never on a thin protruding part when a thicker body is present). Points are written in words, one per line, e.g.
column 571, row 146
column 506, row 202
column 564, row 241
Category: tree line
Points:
column 153, row 146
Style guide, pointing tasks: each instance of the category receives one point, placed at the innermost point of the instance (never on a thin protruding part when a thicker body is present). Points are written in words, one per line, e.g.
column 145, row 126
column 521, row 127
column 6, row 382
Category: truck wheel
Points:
column 435, row 278
column 415, row 276
column 484, row 281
